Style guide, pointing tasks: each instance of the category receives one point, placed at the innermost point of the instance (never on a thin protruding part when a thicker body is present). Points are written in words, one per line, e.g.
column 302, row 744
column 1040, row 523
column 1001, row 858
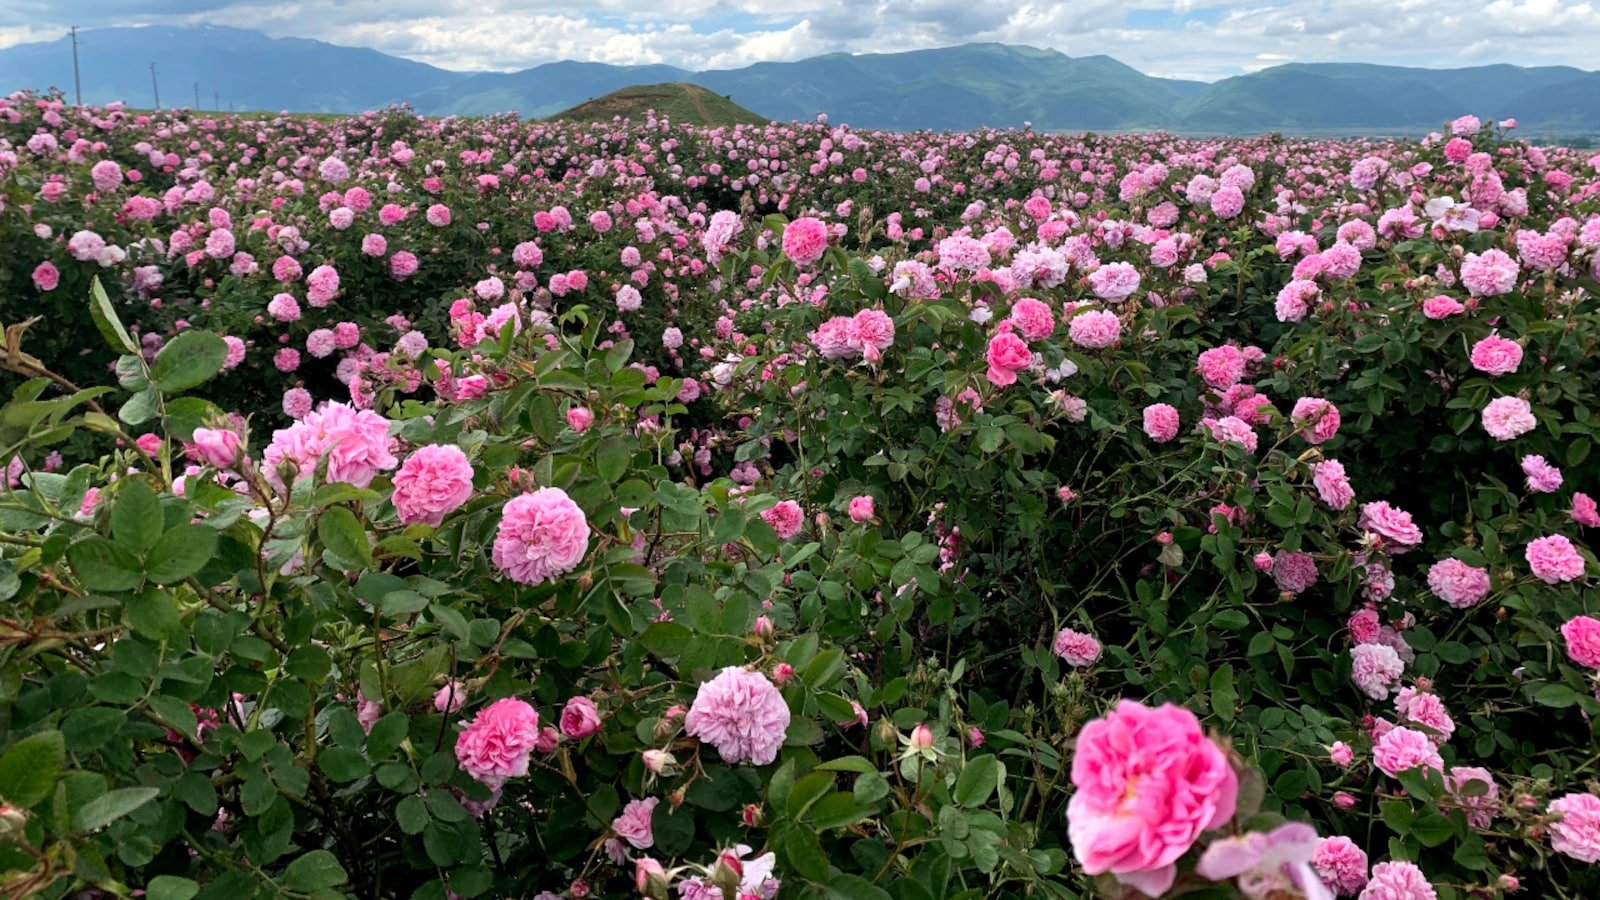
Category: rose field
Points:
column 405, row 507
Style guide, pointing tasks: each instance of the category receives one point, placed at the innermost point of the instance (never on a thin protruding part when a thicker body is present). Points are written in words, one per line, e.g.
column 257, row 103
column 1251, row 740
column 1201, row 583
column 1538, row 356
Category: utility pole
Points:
column 77, row 82
column 156, row 88
column 197, row 96
column 216, row 100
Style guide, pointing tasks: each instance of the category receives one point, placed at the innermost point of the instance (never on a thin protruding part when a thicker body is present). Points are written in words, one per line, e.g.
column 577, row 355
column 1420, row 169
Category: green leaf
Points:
column 170, row 887
column 105, row 319
column 412, row 815
column 104, row 566
column 667, row 640
column 188, row 360
column 88, row 729
column 1223, row 694
column 798, row 845
column 807, row 791
column 978, row 779
column 342, row 764
column 180, row 553
column 153, row 613
column 111, row 806
column 29, row 768
column 612, row 457
column 136, row 519
column 1558, row 696
column 314, row 871
column 141, row 407
column 342, row 534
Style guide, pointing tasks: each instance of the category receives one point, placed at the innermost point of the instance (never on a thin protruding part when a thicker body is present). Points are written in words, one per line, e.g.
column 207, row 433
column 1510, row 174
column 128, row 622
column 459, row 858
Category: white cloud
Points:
column 1205, row 39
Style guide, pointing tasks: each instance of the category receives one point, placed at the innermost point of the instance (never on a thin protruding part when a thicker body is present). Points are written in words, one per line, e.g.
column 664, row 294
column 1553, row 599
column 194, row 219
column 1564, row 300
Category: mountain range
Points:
column 960, row 87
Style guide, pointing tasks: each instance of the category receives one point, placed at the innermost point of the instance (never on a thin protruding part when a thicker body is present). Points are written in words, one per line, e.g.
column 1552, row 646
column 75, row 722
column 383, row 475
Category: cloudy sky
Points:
column 1205, row 39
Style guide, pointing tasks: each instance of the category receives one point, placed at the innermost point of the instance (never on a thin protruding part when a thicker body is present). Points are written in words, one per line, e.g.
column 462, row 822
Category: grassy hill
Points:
column 684, row 104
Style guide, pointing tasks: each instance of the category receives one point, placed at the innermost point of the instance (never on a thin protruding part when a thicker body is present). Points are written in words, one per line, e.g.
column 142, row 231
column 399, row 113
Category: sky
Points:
column 1199, row 39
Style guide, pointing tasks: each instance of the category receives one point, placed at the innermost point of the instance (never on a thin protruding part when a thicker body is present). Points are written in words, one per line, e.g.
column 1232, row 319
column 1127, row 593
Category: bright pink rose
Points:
column 1341, row 865
column 579, row 719
column 1554, row 559
column 46, row 276
column 805, row 240
column 741, row 714
column 580, row 418
column 1221, row 367
column 1583, row 640
column 1149, row 783
column 1401, row 749
column 1494, row 355
column 1392, row 524
column 1584, row 510
column 1543, row 478
column 1442, row 307
column 861, row 508
column 1033, row 318
column 1331, row 483
column 496, row 743
column 634, row 824
column 431, row 483
column 542, row 535
column 1007, row 355
column 786, row 518
column 1161, row 422
column 1319, row 418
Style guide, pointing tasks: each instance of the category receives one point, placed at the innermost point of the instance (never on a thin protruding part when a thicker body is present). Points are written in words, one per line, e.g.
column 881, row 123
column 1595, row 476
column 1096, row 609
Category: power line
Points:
column 154, row 86
column 77, row 82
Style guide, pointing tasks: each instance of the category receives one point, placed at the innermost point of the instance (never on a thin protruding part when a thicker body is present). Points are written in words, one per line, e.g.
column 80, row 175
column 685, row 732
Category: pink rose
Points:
column 634, row 825
column 497, row 742
column 1149, row 783
column 1161, row 422
column 1554, row 559
column 861, row 508
column 431, row 483
column 1007, row 355
column 579, row 718
column 542, row 535
column 580, row 418
column 218, row 446
column 1583, row 640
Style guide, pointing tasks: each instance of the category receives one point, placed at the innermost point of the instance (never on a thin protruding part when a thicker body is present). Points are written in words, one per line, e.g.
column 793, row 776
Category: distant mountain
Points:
column 962, row 87
column 682, row 103
column 244, row 69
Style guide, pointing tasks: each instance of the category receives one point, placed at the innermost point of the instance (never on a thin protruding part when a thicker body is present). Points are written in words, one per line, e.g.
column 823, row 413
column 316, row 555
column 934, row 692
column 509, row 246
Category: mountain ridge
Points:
column 951, row 88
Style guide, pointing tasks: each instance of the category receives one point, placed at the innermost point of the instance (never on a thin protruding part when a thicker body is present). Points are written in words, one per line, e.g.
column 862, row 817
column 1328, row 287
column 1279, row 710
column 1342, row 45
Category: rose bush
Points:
column 478, row 508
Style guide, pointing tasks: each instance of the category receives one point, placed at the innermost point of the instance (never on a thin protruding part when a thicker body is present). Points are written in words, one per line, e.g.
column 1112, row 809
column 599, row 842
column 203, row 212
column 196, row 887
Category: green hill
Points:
column 683, row 104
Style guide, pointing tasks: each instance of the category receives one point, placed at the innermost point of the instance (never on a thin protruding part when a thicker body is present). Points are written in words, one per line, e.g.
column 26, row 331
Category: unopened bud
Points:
column 762, row 627
column 1343, row 800
column 752, row 815
column 12, row 821
column 650, row 878
column 921, row 737
column 782, row 672
column 1508, row 882
column 659, row 762
column 675, row 799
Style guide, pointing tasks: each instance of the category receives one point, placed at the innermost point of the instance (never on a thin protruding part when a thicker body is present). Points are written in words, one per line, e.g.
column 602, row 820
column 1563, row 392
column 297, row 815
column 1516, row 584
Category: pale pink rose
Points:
column 634, row 824
column 1161, row 422
column 542, row 535
column 431, row 483
column 1076, row 648
column 579, row 418
column 1494, row 355
column 1458, row 584
column 219, row 447
column 741, row 714
column 1341, row 865
column 1331, row 484
column 1506, row 418
column 1575, row 829
column 1319, row 419
column 1148, row 783
column 1554, row 559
